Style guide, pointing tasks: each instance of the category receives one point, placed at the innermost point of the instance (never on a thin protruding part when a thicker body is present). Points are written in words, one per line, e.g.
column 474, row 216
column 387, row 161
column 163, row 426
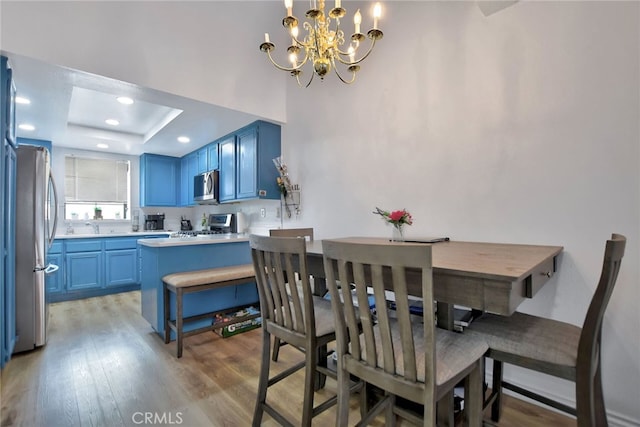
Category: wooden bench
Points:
column 196, row 281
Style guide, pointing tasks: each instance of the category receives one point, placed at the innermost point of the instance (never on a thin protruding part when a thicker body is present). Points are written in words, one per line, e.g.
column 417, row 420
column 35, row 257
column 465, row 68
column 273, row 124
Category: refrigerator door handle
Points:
column 51, row 268
column 55, row 209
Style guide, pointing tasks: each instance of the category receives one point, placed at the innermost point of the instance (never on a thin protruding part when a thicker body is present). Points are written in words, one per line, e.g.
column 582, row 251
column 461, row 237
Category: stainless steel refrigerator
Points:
column 36, row 218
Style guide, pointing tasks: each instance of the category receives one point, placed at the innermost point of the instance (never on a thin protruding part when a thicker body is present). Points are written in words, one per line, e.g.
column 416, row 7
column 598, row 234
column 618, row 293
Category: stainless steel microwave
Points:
column 205, row 188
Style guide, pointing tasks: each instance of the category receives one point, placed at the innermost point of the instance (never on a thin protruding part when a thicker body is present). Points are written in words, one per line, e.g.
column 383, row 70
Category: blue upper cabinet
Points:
column 227, row 166
column 246, row 163
column 183, row 191
column 247, row 160
column 159, row 180
column 188, row 169
column 212, row 153
column 197, row 162
column 244, row 159
column 203, row 160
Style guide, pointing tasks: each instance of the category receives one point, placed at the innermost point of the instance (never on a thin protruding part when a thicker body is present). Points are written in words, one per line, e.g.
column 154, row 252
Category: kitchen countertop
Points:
column 116, row 234
column 207, row 239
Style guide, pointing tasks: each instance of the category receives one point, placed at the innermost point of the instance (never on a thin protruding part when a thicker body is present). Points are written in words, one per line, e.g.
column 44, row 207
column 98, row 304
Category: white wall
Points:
column 208, row 51
column 520, row 127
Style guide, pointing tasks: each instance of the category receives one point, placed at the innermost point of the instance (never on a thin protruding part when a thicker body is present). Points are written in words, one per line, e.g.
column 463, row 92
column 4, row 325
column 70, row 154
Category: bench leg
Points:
column 167, row 312
column 179, row 323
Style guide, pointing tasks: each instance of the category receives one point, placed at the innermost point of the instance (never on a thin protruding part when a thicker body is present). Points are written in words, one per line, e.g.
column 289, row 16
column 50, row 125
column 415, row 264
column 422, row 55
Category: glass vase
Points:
column 397, row 233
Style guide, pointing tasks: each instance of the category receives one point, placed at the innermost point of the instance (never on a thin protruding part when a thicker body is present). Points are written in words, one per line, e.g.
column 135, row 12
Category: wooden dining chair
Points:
column 555, row 348
column 415, row 361
column 292, row 314
column 288, row 232
column 292, row 232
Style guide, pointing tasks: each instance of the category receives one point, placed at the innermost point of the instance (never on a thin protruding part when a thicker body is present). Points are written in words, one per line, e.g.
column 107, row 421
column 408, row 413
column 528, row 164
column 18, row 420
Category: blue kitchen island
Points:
column 159, row 257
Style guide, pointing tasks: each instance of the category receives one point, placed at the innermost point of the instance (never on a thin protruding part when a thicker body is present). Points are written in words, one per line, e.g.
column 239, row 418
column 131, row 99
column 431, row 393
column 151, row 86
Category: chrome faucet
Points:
column 95, row 225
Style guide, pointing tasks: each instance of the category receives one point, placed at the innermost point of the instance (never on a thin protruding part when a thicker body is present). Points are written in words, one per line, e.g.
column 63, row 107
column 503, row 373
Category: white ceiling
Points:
column 69, row 108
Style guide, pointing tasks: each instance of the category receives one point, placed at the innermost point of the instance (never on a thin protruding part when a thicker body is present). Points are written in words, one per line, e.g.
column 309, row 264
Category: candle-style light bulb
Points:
column 352, row 53
column 377, row 13
column 294, row 35
column 357, row 20
column 294, row 59
column 266, row 38
column 289, row 5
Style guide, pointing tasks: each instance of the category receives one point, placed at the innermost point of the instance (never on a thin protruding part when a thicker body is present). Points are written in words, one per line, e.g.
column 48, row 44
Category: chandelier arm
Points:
column 306, row 57
column 280, row 67
column 310, row 80
column 373, row 43
column 353, row 74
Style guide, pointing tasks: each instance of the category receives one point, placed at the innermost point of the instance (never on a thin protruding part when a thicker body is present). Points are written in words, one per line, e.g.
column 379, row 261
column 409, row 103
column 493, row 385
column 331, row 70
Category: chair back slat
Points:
column 267, row 302
column 380, row 268
column 286, row 307
column 296, row 319
column 276, row 289
column 349, row 321
column 404, row 322
column 283, row 283
column 588, row 347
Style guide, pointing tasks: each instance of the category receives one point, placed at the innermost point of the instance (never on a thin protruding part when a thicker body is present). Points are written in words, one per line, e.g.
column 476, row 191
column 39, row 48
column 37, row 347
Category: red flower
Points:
column 396, row 215
column 397, row 218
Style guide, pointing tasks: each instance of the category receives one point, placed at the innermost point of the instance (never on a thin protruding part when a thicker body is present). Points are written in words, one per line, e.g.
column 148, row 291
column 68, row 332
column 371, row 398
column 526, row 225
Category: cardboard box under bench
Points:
column 231, row 324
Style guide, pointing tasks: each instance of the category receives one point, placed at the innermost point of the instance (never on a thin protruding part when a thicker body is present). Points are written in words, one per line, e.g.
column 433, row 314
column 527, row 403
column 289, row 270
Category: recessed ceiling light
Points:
column 125, row 100
column 101, row 145
column 112, row 122
column 184, row 139
column 22, row 100
column 26, row 126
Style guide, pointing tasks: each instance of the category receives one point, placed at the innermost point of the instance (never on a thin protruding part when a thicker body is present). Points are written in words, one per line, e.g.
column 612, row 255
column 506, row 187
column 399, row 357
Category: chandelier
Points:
column 322, row 46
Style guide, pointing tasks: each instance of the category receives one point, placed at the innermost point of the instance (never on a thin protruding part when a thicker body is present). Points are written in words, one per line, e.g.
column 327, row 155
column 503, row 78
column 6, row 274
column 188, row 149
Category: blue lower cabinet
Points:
column 55, row 281
column 84, row 270
column 158, row 261
column 90, row 267
column 121, row 267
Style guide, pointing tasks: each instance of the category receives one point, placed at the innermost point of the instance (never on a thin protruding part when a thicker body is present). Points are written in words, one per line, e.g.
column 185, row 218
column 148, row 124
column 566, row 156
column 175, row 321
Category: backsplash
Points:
column 260, row 216
column 252, row 210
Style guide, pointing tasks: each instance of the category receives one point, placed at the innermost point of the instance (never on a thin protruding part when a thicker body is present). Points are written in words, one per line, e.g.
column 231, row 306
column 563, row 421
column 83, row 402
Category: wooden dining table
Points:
column 491, row 277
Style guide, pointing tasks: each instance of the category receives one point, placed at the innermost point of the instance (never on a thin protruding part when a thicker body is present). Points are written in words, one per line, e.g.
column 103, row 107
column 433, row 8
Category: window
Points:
column 96, row 188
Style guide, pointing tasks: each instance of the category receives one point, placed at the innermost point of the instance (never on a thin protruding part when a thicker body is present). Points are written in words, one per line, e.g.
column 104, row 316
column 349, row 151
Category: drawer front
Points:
column 539, row 277
column 84, row 245
column 56, row 248
column 116, row 244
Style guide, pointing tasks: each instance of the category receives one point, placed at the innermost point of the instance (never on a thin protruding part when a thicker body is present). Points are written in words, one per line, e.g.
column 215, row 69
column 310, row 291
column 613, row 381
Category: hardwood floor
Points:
column 104, row 366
